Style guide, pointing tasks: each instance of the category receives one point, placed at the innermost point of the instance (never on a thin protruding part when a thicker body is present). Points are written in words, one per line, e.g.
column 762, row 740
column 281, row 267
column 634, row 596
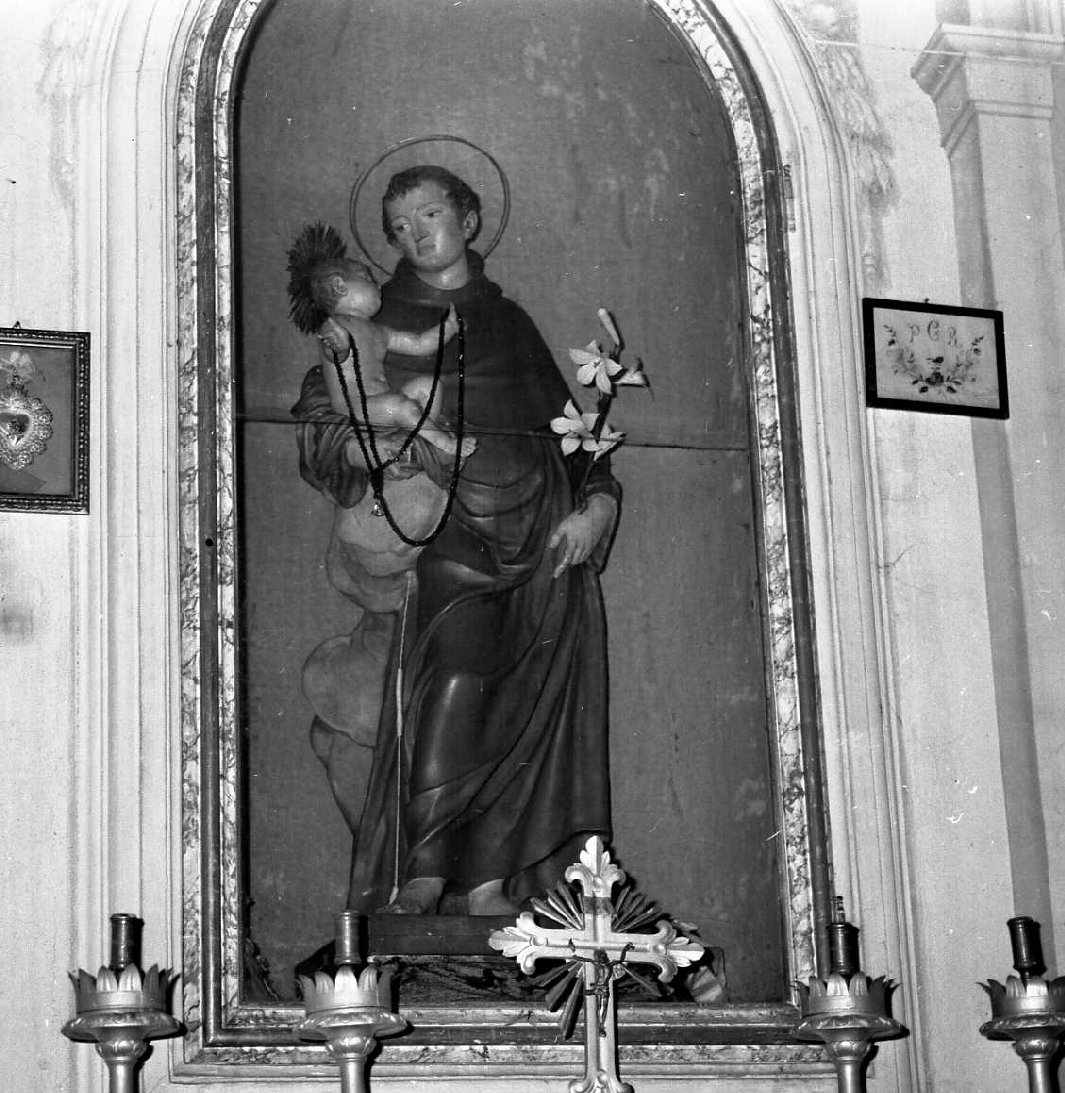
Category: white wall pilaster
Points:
column 993, row 93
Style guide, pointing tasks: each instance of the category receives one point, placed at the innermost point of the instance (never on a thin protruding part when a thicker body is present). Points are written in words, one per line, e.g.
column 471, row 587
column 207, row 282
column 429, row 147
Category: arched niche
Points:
column 230, row 1031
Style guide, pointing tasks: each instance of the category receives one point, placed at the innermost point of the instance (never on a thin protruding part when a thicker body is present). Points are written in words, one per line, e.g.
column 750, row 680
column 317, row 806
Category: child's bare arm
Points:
column 399, row 411
column 336, row 340
column 335, row 349
column 424, row 344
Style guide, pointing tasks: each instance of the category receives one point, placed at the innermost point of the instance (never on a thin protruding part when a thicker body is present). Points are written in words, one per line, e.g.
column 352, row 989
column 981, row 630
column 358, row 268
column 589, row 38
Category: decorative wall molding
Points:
column 67, row 44
column 830, row 32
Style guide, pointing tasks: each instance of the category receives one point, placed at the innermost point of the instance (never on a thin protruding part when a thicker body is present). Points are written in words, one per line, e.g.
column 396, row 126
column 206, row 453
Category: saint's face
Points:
column 429, row 233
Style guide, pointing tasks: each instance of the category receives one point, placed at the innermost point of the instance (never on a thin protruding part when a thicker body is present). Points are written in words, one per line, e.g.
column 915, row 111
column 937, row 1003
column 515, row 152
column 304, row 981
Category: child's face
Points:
column 358, row 296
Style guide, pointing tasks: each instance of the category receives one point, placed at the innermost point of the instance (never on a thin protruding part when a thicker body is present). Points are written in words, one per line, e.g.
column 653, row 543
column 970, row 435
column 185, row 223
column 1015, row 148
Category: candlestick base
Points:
column 1031, row 1014
column 121, row 1040
column 349, row 1012
column 847, row 1015
column 120, row 1013
column 351, row 1035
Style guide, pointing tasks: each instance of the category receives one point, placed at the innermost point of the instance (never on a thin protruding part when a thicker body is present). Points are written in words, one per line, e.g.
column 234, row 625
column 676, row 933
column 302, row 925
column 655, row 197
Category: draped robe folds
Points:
column 497, row 766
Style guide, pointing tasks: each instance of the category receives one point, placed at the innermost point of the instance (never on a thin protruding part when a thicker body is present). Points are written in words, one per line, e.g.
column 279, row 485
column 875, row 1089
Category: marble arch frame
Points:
column 844, row 598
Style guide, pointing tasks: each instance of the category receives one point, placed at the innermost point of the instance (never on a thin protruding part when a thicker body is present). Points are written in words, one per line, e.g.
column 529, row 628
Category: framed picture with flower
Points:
column 44, row 420
column 935, row 358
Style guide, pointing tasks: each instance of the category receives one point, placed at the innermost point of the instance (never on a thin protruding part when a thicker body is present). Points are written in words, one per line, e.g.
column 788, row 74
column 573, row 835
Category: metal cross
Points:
column 593, row 937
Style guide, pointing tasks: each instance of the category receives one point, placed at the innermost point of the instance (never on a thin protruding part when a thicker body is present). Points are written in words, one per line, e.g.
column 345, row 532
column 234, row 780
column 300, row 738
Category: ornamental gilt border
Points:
column 227, row 1036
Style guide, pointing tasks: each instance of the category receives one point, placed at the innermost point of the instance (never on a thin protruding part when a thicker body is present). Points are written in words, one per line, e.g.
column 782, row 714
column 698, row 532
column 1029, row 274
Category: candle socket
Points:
column 842, row 942
column 125, row 941
column 843, row 948
column 1026, row 945
column 348, row 938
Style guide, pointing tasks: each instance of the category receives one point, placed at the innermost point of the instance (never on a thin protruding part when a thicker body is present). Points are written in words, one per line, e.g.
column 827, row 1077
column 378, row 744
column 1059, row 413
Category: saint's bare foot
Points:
column 417, row 897
column 488, row 899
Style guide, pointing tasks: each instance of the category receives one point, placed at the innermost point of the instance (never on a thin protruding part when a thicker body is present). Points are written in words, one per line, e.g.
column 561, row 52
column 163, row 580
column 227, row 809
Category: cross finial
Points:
column 598, row 940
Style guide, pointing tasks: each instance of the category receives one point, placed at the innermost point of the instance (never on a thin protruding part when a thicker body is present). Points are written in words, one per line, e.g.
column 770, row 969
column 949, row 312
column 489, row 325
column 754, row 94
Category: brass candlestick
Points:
column 1028, row 1009
column 349, row 1011
column 122, row 1008
column 848, row 1011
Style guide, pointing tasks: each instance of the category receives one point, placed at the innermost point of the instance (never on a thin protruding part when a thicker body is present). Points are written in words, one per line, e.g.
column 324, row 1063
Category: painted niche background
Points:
column 623, row 185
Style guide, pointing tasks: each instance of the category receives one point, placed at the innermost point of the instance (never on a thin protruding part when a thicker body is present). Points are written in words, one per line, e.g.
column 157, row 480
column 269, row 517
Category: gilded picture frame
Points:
column 935, row 358
column 44, row 420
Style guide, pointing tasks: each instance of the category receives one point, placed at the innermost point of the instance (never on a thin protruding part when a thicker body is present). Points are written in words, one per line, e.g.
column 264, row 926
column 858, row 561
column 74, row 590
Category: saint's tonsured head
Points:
column 463, row 198
column 469, row 178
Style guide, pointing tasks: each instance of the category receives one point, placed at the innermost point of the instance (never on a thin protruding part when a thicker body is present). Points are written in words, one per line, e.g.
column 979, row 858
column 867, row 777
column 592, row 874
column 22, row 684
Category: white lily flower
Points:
column 590, row 432
column 575, row 428
column 633, row 377
column 595, row 367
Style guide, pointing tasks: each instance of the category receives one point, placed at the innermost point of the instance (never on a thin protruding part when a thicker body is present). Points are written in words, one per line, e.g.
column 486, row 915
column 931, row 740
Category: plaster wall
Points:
column 41, row 561
column 926, row 832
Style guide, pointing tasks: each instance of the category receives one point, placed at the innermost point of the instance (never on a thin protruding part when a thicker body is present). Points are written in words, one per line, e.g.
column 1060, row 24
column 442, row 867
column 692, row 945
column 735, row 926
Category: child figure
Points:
column 336, row 297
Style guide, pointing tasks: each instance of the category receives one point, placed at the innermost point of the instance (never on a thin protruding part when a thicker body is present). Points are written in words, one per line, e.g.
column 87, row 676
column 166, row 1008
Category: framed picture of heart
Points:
column 44, row 420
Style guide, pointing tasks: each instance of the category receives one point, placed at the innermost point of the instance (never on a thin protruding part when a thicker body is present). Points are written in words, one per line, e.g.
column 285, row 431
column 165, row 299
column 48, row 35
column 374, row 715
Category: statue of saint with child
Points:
column 463, row 723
